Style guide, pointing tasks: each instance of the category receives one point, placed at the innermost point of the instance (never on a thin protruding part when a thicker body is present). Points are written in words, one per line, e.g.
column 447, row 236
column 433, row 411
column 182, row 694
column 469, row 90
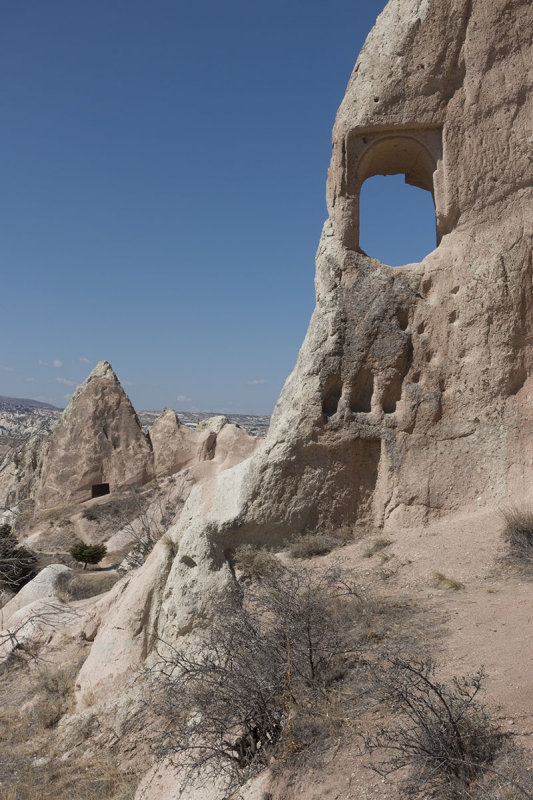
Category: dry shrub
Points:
column 377, row 546
column 255, row 562
column 268, row 679
column 320, row 543
column 518, row 534
column 71, row 586
column 53, row 686
column 442, row 735
column 312, row 544
column 510, row 777
column 146, row 530
column 440, row 581
column 96, row 778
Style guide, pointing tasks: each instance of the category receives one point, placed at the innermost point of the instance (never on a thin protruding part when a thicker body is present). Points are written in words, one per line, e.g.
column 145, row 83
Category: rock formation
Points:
column 98, row 446
column 410, row 396
column 411, row 393
column 175, row 445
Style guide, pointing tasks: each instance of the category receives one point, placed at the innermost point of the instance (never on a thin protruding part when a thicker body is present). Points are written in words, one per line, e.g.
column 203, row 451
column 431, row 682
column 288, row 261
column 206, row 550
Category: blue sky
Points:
column 162, row 173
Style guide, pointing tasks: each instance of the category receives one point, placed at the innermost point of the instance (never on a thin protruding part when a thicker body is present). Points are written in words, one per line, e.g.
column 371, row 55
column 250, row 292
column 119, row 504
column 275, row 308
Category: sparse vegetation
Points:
column 17, row 563
column 518, row 534
column 73, row 586
column 267, row 680
column 444, row 735
column 90, row 778
column 318, row 544
column 145, row 531
column 377, row 546
column 255, row 563
column 440, row 581
column 88, row 553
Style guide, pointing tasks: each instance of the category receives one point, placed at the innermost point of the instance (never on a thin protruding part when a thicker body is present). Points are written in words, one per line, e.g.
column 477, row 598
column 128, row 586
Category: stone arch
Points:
column 416, row 153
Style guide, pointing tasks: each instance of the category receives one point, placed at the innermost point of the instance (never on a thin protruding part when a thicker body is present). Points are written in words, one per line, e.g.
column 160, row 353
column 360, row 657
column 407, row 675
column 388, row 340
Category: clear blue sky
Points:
column 162, row 174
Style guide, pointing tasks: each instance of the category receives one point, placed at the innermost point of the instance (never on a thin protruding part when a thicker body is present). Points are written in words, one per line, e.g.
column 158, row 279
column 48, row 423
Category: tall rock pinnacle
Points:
column 99, row 444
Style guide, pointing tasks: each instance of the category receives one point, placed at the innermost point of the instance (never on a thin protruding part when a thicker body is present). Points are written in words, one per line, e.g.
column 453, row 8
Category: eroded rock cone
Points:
column 98, row 446
column 175, row 445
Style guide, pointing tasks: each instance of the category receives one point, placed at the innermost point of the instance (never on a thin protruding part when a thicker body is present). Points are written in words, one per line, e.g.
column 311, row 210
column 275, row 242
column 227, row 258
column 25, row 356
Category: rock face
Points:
column 411, row 395
column 175, row 445
column 98, row 446
column 42, row 587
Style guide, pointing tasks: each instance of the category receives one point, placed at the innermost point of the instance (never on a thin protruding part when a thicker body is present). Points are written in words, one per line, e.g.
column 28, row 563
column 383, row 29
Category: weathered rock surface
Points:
column 411, row 396
column 42, row 587
column 98, row 441
column 175, row 445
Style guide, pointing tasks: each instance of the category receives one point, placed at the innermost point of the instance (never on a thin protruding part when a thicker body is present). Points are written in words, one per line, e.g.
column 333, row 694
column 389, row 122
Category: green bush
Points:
column 17, row 563
column 88, row 553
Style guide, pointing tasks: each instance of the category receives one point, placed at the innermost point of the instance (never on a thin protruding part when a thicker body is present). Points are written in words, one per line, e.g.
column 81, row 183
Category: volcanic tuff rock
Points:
column 411, row 393
column 176, row 446
column 98, row 441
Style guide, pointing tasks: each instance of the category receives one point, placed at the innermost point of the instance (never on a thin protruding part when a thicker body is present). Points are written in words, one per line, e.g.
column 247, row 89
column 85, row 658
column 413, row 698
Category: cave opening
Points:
column 99, row 489
column 397, row 221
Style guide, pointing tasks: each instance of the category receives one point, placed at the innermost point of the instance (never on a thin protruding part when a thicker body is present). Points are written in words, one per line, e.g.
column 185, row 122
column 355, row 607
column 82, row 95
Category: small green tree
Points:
column 88, row 553
column 17, row 563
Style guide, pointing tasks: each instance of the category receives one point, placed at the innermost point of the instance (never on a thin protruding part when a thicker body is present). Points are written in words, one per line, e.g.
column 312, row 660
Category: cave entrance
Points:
column 397, row 222
column 99, row 489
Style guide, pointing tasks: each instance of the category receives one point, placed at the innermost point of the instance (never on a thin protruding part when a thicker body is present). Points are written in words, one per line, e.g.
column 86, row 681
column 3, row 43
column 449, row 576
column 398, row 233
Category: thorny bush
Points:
column 443, row 734
column 17, row 563
column 266, row 680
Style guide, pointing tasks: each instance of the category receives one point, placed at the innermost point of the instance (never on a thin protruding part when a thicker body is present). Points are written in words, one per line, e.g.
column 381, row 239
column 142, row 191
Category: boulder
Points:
column 42, row 587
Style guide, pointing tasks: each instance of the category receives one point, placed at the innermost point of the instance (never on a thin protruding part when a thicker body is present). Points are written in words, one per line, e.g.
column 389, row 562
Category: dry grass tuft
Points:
column 254, row 562
column 440, row 581
column 96, row 778
column 319, row 544
column 377, row 546
column 72, row 586
column 518, row 534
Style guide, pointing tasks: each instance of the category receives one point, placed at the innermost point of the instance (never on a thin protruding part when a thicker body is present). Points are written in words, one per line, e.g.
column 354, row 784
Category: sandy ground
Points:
column 487, row 623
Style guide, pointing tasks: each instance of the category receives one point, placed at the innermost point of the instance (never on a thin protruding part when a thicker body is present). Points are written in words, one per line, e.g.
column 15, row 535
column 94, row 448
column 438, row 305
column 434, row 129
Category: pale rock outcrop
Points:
column 21, row 473
column 411, row 395
column 175, row 445
column 411, row 392
column 214, row 424
column 99, row 441
column 32, row 613
column 43, row 586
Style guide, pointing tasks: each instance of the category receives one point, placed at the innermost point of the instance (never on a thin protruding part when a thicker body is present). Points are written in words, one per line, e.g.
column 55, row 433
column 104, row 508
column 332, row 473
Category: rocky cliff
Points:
column 411, row 394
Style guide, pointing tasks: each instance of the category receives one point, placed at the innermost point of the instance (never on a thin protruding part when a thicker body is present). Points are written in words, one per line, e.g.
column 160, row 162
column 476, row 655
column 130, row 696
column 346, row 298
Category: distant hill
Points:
column 25, row 402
